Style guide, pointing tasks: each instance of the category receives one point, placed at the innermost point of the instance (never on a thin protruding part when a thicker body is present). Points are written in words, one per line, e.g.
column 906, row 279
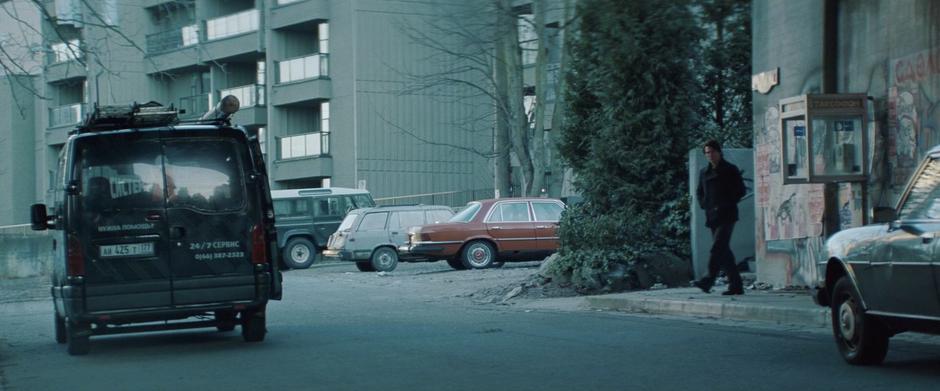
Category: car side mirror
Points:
column 884, row 214
column 39, row 217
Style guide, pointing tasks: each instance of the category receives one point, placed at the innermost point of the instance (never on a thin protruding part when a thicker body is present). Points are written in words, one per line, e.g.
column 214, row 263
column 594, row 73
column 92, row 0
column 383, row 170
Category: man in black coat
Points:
column 720, row 187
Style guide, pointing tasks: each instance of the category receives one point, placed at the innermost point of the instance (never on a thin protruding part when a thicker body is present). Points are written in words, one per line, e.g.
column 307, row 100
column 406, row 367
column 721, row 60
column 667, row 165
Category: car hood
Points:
column 854, row 242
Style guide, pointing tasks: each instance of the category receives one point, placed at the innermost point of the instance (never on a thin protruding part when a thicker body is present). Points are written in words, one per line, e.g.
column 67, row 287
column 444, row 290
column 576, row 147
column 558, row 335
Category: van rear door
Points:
column 210, row 218
column 118, row 222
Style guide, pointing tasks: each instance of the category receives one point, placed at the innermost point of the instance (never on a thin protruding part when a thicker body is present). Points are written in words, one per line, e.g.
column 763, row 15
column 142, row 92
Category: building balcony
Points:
column 252, row 102
column 303, row 156
column 195, row 106
column 301, row 79
column 304, row 145
column 179, row 60
column 65, row 71
column 232, row 36
column 178, row 38
column 293, row 12
column 62, row 120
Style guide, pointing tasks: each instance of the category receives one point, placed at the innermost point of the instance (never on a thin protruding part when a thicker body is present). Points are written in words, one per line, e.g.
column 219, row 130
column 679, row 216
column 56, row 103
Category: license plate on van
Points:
column 127, row 250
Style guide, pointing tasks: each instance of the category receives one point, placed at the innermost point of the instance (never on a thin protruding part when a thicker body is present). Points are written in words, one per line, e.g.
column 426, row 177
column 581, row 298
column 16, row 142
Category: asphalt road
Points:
column 423, row 328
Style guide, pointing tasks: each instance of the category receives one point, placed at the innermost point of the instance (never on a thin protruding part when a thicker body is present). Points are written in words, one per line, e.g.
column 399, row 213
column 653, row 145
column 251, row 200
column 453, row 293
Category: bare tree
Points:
column 477, row 47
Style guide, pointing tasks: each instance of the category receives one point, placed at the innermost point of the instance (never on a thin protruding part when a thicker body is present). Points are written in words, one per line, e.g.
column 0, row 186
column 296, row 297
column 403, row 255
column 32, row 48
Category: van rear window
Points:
column 120, row 174
column 124, row 173
column 204, row 174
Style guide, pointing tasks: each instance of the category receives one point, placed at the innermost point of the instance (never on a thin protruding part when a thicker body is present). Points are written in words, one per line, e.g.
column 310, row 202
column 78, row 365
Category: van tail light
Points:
column 75, row 261
column 259, row 246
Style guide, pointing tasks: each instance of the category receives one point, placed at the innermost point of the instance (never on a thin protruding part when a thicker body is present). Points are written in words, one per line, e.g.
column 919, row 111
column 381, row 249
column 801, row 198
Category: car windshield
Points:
column 467, row 213
column 347, row 221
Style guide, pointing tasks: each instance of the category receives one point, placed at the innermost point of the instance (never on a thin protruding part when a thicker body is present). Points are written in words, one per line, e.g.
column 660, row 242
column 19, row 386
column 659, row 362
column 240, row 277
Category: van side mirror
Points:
column 39, row 217
column 884, row 214
column 72, row 188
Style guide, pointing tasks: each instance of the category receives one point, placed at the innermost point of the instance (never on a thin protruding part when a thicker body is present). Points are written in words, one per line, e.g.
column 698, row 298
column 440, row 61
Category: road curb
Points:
column 813, row 317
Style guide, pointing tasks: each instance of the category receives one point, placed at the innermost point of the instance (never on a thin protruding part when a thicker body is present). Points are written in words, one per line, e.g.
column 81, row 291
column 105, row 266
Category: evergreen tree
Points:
column 632, row 100
column 726, row 73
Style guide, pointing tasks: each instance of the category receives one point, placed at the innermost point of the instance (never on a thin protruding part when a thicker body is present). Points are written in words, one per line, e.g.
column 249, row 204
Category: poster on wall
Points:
column 913, row 121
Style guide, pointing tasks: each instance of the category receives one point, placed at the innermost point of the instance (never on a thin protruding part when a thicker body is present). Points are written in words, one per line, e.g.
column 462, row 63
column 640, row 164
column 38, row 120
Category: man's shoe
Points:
column 732, row 292
column 703, row 285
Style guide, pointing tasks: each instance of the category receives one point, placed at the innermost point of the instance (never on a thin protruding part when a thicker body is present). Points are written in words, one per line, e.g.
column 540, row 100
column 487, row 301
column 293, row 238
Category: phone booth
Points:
column 825, row 140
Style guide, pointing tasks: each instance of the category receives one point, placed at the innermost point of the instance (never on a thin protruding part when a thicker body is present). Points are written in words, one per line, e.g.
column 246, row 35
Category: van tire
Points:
column 225, row 320
column 77, row 338
column 60, row 336
column 299, row 253
column 253, row 327
column 384, row 259
column 365, row 266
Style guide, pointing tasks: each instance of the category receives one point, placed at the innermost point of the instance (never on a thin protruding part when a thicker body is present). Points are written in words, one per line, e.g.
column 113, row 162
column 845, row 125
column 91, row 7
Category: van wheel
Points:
column 365, row 266
column 77, row 338
column 225, row 320
column 384, row 259
column 60, row 336
column 477, row 255
column 299, row 253
column 861, row 339
column 253, row 326
column 456, row 264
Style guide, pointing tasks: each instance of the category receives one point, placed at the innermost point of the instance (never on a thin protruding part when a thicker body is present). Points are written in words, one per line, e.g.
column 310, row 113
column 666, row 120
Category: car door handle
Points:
column 177, row 232
column 496, row 227
column 541, row 226
column 154, row 215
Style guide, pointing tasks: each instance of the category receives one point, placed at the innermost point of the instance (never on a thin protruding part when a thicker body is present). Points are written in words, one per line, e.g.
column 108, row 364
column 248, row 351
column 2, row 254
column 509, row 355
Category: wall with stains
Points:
column 887, row 49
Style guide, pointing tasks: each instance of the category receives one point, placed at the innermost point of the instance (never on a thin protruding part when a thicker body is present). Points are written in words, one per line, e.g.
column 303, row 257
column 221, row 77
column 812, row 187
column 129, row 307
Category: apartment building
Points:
column 320, row 81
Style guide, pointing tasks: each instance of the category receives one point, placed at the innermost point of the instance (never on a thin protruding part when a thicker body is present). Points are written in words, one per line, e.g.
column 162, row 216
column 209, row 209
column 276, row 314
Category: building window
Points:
column 325, row 117
column 528, row 39
column 323, row 32
column 65, row 51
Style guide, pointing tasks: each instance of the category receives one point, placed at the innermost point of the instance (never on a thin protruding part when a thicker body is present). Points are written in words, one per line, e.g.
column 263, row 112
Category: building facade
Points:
column 320, row 81
column 886, row 50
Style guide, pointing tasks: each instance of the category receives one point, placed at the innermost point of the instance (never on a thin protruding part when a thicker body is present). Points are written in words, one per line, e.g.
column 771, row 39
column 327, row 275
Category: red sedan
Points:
column 490, row 231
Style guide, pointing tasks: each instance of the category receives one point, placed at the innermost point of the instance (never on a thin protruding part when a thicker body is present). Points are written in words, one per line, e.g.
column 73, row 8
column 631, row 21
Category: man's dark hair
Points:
column 713, row 144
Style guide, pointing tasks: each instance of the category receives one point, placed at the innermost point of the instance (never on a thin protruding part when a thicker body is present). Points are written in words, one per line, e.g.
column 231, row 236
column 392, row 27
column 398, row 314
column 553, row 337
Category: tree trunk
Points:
column 517, row 120
column 556, row 181
column 501, row 142
column 538, row 138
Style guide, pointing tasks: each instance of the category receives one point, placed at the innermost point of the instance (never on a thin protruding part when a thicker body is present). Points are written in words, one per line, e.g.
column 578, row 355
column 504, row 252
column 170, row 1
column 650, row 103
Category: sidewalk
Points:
column 793, row 307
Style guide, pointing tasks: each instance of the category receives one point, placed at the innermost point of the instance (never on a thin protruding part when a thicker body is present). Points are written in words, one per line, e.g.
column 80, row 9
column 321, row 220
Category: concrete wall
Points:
column 24, row 253
column 742, row 240
column 889, row 50
column 17, row 154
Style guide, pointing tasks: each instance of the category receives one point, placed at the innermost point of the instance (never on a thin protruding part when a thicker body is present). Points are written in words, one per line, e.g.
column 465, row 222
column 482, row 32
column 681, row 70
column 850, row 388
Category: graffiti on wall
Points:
column 912, row 111
column 788, row 211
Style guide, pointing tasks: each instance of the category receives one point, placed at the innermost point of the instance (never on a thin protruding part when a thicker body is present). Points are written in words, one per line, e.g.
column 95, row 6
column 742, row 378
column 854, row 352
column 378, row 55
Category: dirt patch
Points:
column 531, row 287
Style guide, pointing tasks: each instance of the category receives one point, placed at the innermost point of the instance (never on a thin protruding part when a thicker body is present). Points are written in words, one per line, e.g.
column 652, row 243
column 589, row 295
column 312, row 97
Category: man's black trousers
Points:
column 721, row 257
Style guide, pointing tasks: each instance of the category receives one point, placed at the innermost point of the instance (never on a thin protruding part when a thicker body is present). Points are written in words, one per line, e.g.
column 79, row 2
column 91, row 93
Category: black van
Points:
column 158, row 222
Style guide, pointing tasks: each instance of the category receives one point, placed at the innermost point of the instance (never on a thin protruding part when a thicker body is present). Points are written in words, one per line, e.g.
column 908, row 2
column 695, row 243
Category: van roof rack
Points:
column 135, row 115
